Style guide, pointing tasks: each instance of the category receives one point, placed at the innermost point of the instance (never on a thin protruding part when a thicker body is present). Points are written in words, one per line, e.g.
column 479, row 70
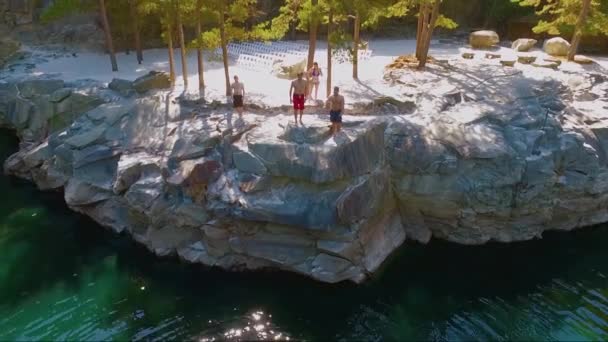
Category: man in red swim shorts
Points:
column 297, row 96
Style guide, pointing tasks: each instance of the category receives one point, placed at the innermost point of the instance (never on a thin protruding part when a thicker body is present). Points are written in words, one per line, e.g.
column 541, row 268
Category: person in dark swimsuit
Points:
column 238, row 95
column 335, row 103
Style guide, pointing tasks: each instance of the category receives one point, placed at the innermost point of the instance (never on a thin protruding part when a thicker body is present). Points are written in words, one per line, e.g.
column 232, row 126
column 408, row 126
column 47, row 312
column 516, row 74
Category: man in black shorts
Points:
column 238, row 94
column 335, row 103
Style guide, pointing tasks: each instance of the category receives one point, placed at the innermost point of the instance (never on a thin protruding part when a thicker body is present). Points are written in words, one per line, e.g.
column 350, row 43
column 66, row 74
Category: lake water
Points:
column 62, row 277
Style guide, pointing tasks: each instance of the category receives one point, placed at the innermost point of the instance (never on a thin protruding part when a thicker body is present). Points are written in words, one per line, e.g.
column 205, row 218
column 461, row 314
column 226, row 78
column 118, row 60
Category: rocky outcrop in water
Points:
column 471, row 165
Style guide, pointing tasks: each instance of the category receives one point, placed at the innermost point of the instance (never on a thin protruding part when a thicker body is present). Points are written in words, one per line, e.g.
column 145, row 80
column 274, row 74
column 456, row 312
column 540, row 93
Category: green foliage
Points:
column 498, row 12
column 237, row 14
column 62, row 8
column 560, row 16
column 446, row 22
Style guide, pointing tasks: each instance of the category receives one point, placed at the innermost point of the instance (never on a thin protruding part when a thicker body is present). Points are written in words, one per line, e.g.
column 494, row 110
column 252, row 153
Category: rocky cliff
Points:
column 481, row 159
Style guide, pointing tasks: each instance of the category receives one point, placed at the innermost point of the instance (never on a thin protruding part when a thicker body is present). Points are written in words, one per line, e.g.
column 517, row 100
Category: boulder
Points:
column 153, row 80
column 93, row 154
column 193, row 176
column 88, row 137
column 123, row 87
column 484, row 39
column 548, row 65
column 580, row 59
column 80, row 193
column 508, row 63
column 556, row 46
column 132, row 167
column 247, row 162
column 32, row 88
column 523, row 44
column 60, row 94
column 526, row 59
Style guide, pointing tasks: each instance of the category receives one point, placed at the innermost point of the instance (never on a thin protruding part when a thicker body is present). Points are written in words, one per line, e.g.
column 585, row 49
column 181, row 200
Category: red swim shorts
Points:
column 298, row 101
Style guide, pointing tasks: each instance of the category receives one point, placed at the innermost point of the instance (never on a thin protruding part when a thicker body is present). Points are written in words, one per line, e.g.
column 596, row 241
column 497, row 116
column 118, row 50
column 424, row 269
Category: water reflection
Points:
column 255, row 326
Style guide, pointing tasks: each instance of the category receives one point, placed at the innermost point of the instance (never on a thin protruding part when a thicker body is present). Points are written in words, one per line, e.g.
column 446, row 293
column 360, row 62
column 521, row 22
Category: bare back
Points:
column 336, row 103
column 238, row 88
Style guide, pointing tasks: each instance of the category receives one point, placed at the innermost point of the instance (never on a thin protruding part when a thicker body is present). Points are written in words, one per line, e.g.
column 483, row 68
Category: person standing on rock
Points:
column 315, row 73
column 297, row 96
column 238, row 95
column 335, row 104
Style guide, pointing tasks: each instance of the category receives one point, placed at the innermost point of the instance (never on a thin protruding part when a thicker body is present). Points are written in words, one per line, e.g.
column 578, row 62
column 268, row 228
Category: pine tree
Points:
column 312, row 32
column 182, row 43
column 108, row 33
column 368, row 14
column 199, row 49
column 61, row 8
column 428, row 19
column 229, row 18
column 578, row 28
column 136, row 30
column 330, row 25
column 166, row 11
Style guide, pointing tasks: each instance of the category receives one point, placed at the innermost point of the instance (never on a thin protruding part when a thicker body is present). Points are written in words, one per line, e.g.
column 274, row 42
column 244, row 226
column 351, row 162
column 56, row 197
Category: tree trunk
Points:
column 136, row 31
column 171, row 58
column 356, row 41
column 182, row 43
column 199, row 50
column 225, row 50
column 578, row 29
column 330, row 23
column 108, row 33
column 430, row 27
column 312, row 35
column 422, row 14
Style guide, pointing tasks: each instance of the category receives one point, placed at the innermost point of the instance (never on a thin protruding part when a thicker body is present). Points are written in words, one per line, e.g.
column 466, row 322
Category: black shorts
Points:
column 335, row 116
column 237, row 101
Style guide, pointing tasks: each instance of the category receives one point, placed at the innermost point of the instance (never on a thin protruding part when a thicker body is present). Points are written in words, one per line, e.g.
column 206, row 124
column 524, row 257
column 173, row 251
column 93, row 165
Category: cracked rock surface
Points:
column 500, row 159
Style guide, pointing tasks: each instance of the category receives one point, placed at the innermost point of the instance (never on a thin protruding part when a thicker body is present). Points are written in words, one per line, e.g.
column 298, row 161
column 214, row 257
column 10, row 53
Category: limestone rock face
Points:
column 523, row 44
column 556, row 46
column 468, row 164
column 483, row 39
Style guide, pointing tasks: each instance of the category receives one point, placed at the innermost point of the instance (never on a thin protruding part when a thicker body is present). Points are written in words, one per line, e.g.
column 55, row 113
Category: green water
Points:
column 64, row 278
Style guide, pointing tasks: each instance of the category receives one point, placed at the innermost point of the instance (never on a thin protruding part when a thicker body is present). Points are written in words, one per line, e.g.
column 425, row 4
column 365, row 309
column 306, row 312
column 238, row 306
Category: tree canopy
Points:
column 560, row 16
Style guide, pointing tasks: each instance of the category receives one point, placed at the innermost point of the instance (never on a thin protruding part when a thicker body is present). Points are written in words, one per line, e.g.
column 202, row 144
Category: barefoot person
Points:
column 238, row 95
column 297, row 96
column 315, row 73
column 335, row 103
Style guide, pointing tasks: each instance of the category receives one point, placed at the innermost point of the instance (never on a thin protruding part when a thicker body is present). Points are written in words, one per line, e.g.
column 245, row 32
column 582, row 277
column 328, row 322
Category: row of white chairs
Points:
column 262, row 56
column 252, row 49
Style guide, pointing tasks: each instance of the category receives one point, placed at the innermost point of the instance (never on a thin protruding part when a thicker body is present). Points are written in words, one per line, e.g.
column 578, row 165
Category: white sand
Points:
column 262, row 87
